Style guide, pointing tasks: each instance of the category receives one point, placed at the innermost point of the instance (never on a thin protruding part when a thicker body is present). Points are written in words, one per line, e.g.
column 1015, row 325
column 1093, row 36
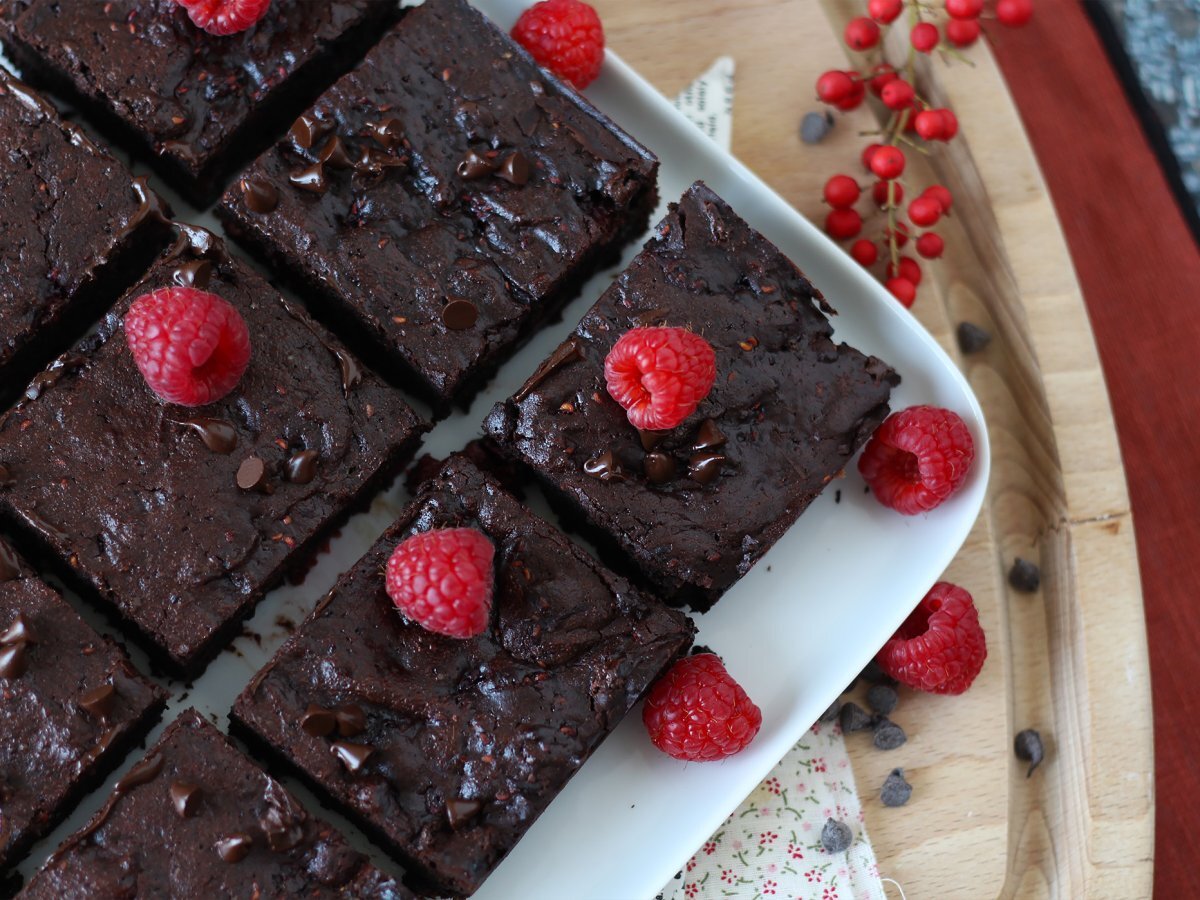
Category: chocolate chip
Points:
column 895, row 790
column 351, row 719
column 17, row 632
column 459, row 314
column 873, row 673
column 143, row 773
column 1028, row 747
column 566, row 352
column 659, row 468
column 473, row 166
column 605, row 467
column 389, row 132
column 516, row 169
column 195, row 273
column 318, row 721
column 334, row 154
column 252, row 474
column 99, row 701
column 972, row 338
column 283, row 822
column 12, row 661
column 184, row 797
column 704, row 467
column 234, row 848
column 651, row 439
column 310, row 178
column 655, row 316
column 889, row 735
column 836, row 836
column 352, row 373
column 708, row 436
column 1025, row 576
column 306, row 130
column 218, row 436
column 882, row 698
column 459, row 812
column 832, row 711
column 814, row 126
column 353, row 756
column 259, row 196
column 302, row 467
column 373, row 162
column 854, row 718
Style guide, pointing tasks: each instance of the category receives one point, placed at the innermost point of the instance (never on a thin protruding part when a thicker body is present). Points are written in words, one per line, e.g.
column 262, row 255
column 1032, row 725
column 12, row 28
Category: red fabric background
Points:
column 1140, row 272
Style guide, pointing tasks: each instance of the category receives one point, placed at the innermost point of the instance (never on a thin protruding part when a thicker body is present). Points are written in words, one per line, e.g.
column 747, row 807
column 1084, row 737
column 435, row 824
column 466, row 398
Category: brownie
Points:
column 195, row 818
column 71, row 707
column 693, row 508
column 444, row 198
column 200, row 105
column 178, row 519
column 75, row 227
column 447, row 750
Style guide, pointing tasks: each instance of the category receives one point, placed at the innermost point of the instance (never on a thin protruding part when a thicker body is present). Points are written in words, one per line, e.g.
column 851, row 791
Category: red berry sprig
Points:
column 913, row 121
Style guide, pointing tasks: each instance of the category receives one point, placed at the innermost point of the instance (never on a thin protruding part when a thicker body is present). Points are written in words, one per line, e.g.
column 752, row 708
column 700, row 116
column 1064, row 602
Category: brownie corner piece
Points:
column 72, row 707
column 195, row 816
column 178, row 519
column 692, row 509
column 444, row 198
column 446, row 750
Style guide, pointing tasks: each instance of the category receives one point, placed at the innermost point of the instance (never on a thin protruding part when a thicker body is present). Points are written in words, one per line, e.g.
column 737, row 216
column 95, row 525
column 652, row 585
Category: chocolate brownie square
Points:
column 200, row 105
column 179, row 519
column 75, row 228
column 71, row 705
column 447, row 750
column 444, row 198
column 195, row 818
column 694, row 508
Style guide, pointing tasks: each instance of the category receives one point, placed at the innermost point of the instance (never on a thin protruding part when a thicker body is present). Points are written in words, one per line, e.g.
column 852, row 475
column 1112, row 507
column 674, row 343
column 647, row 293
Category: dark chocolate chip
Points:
column 854, row 718
column 889, row 735
column 659, row 468
column 704, row 467
column 373, row 162
column 566, row 352
column 708, row 436
column 836, row 836
column 306, row 130
column 10, row 568
column 143, row 773
column 473, row 166
column 460, row 811
column 195, row 273
column 651, row 439
column 972, row 338
column 318, row 721
column 1028, row 747
column 873, row 673
column 832, row 711
column 459, row 314
column 18, row 630
column 234, row 848
column 302, row 467
column 516, row 169
column 353, row 756
column 13, row 662
column 605, row 467
column 882, row 698
column 100, row 701
column 814, row 126
column 252, row 474
column 259, row 196
column 217, row 435
column 351, row 719
column 310, row 178
column 895, row 790
column 334, row 154
column 1025, row 576
column 184, row 797
column 283, row 822
column 389, row 132
column 352, row 373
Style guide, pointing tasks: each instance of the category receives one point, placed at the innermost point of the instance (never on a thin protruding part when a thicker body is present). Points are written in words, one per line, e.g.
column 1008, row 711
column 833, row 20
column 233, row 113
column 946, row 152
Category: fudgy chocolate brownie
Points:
column 695, row 507
column 443, row 198
column 195, row 818
column 75, row 228
column 178, row 519
column 202, row 105
column 71, row 705
column 447, row 750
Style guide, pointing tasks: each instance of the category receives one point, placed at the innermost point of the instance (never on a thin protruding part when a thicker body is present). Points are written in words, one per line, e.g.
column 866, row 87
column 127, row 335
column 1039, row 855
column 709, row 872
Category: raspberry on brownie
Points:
column 179, row 518
column 694, row 507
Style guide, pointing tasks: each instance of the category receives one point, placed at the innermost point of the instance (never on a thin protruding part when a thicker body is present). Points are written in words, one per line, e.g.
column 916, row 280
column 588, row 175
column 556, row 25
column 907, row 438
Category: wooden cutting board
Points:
column 1071, row 660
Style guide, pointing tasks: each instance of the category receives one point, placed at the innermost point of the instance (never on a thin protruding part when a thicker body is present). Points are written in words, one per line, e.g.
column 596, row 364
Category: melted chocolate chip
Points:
column 516, row 169
column 473, row 166
column 307, row 130
column 605, row 467
column 353, row 756
column 10, row 568
column 651, row 439
column 351, row 719
column 196, row 273
column 567, row 351
column 389, row 133
column 283, row 822
column 704, row 467
column 143, row 773
column 352, row 373
column 310, row 178
column 659, row 468
column 318, row 721
column 234, row 848
column 185, row 797
column 259, row 196
column 459, row 811
column 459, row 314
column 334, row 154
column 13, row 661
column 99, row 702
column 372, row 162
column 218, row 436
column 51, row 375
column 18, row 632
column 708, row 436
column 302, row 467
column 252, row 474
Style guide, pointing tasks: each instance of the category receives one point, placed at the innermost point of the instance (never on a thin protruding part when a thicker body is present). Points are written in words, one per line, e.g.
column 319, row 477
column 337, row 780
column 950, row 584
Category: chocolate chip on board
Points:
column 836, row 836
column 1024, row 576
column 882, row 698
column 854, row 718
column 814, row 126
column 895, row 790
column 873, row 673
column 888, row 735
column 1028, row 747
column 972, row 338
column 832, row 712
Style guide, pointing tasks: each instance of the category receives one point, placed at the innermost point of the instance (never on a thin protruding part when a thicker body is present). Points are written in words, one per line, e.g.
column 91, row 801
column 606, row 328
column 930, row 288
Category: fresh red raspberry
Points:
column 660, row 375
column 564, row 36
column 443, row 580
column 191, row 346
column 941, row 647
column 697, row 712
column 222, row 17
column 917, row 458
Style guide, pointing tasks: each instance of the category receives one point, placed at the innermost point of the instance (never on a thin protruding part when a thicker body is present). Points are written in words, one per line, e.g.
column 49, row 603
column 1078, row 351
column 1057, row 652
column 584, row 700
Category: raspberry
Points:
column 564, row 36
column 222, row 17
column 917, row 458
column 443, row 580
column 697, row 712
column 191, row 346
column 941, row 647
column 660, row 375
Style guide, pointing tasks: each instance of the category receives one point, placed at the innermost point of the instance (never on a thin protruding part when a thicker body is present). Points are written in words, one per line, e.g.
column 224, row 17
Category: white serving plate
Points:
column 795, row 631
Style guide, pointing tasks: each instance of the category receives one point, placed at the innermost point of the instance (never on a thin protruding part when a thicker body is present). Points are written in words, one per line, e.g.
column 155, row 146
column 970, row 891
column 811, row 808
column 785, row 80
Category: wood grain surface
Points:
column 1070, row 660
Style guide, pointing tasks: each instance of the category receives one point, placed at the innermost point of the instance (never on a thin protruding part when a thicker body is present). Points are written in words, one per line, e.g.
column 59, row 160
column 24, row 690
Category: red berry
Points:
column 857, row 92
column 861, row 33
column 191, row 346
column 1014, row 13
column 897, row 94
column 841, row 224
column 964, row 9
column 908, row 268
column 660, row 375
column 888, row 162
column 697, row 712
column 924, row 211
column 900, row 233
column 868, row 154
column 864, row 252
column 930, row 245
column 222, row 17
column 881, row 75
column 929, row 124
column 917, row 458
column 443, row 580
column 925, row 36
column 903, row 290
column 564, row 36
column 949, row 124
column 962, row 32
column 841, row 191
column 885, row 11
column 941, row 195
column 879, row 193
column 834, row 86
column 941, row 647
